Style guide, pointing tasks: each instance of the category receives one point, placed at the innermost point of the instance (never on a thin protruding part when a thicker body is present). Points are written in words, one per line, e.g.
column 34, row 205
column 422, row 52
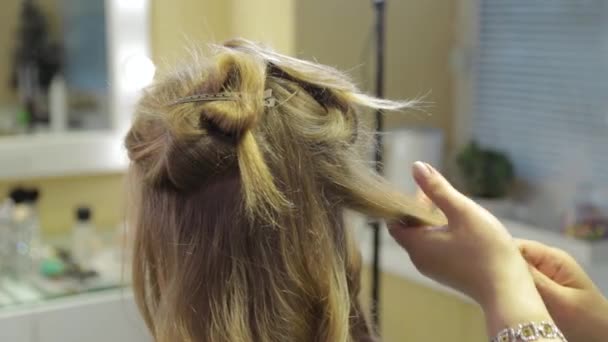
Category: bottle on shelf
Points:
column 6, row 238
column 84, row 237
column 24, row 230
column 33, row 228
column 58, row 104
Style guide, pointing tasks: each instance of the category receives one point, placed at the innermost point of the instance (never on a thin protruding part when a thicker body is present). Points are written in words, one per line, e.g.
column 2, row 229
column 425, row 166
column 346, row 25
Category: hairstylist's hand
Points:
column 574, row 302
column 474, row 254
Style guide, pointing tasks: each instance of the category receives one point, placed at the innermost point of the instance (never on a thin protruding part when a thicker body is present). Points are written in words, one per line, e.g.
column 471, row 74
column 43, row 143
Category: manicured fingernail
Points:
column 421, row 169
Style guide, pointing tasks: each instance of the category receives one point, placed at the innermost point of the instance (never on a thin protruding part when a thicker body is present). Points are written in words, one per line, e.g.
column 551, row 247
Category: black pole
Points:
column 379, row 6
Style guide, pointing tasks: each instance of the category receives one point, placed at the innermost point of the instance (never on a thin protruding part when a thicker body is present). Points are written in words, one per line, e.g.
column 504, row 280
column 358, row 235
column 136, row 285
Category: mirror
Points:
column 70, row 75
column 54, row 74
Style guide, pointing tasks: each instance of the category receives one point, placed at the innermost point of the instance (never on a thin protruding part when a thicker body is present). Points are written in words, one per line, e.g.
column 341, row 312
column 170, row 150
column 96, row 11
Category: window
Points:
column 541, row 88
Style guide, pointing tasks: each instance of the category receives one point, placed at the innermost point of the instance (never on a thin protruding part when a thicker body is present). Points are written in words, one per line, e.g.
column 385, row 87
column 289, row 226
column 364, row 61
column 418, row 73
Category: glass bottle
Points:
column 83, row 237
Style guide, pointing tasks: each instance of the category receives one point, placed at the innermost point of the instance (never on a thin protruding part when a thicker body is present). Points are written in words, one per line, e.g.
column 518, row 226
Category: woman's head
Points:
column 238, row 202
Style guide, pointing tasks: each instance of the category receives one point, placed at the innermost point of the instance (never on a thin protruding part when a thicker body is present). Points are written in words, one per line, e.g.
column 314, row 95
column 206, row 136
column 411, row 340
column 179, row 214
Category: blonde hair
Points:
column 237, row 208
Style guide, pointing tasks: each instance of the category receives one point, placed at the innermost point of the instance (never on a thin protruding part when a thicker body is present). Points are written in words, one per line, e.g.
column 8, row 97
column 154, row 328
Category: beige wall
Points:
column 175, row 24
column 419, row 35
column 270, row 21
column 60, row 196
column 412, row 312
column 187, row 22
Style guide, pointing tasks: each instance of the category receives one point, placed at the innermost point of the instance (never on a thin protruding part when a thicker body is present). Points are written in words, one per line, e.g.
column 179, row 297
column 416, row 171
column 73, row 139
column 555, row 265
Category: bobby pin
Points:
column 269, row 100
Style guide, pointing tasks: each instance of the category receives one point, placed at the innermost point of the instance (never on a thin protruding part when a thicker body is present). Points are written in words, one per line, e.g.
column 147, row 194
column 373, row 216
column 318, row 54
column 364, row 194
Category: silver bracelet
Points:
column 531, row 331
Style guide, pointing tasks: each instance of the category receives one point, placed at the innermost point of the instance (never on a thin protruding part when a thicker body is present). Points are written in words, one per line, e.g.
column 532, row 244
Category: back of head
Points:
column 238, row 200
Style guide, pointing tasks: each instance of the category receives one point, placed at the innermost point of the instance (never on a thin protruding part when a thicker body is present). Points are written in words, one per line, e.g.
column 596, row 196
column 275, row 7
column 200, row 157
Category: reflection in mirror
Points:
column 54, row 75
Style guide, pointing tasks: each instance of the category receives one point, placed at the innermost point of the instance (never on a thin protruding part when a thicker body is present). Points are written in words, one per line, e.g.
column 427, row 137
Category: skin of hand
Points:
column 575, row 303
column 474, row 254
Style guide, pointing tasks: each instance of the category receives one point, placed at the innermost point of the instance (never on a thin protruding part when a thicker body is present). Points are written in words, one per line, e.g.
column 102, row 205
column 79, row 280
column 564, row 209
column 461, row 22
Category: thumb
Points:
column 438, row 189
column 555, row 264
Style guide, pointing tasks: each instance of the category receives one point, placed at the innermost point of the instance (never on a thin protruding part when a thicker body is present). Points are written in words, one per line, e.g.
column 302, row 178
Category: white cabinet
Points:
column 98, row 317
column 108, row 319
column 16, row 328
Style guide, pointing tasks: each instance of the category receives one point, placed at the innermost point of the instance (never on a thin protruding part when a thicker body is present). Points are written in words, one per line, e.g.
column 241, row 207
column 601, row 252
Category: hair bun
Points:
column 185, row 143
column 244, row 76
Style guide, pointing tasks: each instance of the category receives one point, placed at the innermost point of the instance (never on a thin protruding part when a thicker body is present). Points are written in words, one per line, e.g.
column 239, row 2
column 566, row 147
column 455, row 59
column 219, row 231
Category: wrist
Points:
column 531, row 331
column 587, row 317
column 602, row 325
column 510, row 312
column 509, row 303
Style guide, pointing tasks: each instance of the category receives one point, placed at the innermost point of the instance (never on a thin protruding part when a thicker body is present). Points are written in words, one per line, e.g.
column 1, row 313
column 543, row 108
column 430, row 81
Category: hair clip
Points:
column 269, row 100
column 225, row 96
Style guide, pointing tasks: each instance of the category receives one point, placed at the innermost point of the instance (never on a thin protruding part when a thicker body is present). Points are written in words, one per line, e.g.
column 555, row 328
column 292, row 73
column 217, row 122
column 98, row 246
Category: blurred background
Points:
column 512, row 107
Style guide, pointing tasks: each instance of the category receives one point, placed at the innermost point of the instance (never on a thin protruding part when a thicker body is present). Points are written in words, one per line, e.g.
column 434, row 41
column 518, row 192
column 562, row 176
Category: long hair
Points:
column 237, row 206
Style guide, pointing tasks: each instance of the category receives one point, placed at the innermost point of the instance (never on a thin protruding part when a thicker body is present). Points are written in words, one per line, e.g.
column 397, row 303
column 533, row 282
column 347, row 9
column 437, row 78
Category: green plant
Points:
column 34, row 47
column 486, row 173
column 36, row 59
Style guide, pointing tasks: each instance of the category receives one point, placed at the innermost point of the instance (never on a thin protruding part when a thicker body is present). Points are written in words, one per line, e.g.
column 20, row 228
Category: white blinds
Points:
column 541, row 90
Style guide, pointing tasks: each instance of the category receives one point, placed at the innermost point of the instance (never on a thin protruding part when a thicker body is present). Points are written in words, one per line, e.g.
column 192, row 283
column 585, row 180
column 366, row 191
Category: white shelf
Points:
column 61, row 154
column 588, row 254
column 593, row 256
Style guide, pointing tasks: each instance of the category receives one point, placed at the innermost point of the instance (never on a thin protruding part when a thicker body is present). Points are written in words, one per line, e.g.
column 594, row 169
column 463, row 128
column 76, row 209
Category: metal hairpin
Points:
column 269, row 100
